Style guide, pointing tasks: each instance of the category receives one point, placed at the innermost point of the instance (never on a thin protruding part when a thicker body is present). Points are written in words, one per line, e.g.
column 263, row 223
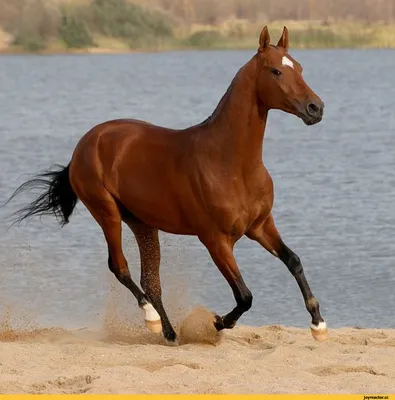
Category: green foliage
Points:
column 144, row 42
column 40, row 22
column 34, row 25
column 326, row 38
column 204, row 39
column 129, row 21
column 30, row 43
column 74, row 32
column 236, row 31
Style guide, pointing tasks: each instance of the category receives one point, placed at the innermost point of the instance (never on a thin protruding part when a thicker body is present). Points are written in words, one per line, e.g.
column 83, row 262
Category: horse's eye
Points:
column 276, row 72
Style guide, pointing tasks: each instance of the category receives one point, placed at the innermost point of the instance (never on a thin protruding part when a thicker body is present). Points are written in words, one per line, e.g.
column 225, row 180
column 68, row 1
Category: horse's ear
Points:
column 284, row 39
column 264, row 39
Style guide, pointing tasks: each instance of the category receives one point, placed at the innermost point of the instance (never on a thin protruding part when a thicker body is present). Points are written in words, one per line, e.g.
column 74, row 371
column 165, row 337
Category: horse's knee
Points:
column 294, row 265
column 122, row 274
column 120, row 271
column 124, row 277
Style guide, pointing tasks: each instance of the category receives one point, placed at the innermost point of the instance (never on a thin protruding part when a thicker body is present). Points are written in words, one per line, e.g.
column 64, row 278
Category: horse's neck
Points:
column 236, row 127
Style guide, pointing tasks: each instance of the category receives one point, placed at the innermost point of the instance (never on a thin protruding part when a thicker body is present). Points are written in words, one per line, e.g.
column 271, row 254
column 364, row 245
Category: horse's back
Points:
column 112, row 139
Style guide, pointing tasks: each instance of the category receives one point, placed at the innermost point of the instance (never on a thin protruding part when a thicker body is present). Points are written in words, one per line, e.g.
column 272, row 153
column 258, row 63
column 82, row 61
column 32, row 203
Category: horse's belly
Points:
column 157, row 206
column 164, row 220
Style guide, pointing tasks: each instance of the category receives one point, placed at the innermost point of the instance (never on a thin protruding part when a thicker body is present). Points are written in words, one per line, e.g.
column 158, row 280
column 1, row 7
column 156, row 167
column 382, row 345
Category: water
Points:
column 334, row 186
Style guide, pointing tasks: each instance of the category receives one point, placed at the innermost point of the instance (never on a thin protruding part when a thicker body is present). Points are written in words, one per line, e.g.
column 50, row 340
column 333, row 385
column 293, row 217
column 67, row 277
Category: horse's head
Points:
column 280, row 82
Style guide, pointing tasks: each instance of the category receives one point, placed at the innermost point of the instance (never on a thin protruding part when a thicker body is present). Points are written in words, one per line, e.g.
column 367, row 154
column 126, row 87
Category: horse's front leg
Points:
column 267, row 235
column 220, row 248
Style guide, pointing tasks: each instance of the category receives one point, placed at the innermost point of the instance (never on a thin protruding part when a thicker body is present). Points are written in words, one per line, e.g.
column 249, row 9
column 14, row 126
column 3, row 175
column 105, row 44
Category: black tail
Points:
column 58, row 197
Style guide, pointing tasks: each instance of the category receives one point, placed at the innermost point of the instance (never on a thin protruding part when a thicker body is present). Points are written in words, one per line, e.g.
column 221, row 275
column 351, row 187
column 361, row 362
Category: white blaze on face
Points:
column 287, row 61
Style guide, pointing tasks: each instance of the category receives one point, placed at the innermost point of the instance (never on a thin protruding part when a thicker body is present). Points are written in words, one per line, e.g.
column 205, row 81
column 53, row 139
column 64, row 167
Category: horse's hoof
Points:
column 219, row 323
column 173, row 342
column 154, row 326
column 170, row 337
column 320, row 331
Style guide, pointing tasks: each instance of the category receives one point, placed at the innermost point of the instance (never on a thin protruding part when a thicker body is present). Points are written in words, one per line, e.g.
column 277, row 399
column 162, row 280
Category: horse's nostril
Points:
column 313, row 109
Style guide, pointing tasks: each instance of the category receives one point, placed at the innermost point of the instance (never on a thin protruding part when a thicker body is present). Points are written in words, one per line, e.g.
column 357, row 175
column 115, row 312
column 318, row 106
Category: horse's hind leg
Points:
column 105, row 211
column 268, row 236
column 149, row 247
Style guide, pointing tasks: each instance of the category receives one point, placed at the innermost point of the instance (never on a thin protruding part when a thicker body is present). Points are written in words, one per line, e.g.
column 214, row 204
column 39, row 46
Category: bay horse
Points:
column 208, row 180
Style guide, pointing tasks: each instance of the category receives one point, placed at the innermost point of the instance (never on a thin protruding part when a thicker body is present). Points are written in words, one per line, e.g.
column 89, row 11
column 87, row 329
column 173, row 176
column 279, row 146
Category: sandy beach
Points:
column 270, row 359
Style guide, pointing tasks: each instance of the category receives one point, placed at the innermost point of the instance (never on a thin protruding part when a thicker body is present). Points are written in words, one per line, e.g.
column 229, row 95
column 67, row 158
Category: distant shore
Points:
column 114, row 51
column 303, row 35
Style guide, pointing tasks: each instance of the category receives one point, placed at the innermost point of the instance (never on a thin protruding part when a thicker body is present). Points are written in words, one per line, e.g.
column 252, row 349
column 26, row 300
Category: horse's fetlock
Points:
column 312, row 305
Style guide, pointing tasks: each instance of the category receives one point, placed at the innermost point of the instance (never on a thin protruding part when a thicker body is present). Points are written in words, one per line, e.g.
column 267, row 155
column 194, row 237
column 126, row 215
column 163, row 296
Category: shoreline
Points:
column 109, row 51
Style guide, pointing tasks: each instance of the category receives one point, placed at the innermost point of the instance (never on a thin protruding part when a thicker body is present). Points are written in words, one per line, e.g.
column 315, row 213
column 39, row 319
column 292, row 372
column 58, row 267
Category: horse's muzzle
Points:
column 312, row 113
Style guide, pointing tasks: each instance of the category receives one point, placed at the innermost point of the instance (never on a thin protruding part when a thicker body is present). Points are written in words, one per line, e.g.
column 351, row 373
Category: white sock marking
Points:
column 150, row 313
column 320, row 327
column 287, row 61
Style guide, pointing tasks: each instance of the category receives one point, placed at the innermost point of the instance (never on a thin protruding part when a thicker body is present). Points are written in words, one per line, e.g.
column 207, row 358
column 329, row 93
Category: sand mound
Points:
column 198, row 327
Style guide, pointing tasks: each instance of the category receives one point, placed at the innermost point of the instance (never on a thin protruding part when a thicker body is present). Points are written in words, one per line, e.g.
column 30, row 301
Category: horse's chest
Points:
column 235, row 204
column 238, row 215
column 252, row 211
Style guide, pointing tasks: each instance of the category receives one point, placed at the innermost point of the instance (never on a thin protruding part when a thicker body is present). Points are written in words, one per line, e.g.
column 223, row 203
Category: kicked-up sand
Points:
column 124, row 359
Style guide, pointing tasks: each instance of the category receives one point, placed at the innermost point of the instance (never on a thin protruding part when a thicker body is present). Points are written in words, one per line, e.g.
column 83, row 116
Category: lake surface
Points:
column 334, row 187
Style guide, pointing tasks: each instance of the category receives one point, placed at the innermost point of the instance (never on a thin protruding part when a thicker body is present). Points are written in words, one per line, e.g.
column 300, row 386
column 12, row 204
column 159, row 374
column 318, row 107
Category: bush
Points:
column 29, row 43
column 127, row 21
column 204, row 39
column 316, row 37
column 35, row 24
column 74, row 32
